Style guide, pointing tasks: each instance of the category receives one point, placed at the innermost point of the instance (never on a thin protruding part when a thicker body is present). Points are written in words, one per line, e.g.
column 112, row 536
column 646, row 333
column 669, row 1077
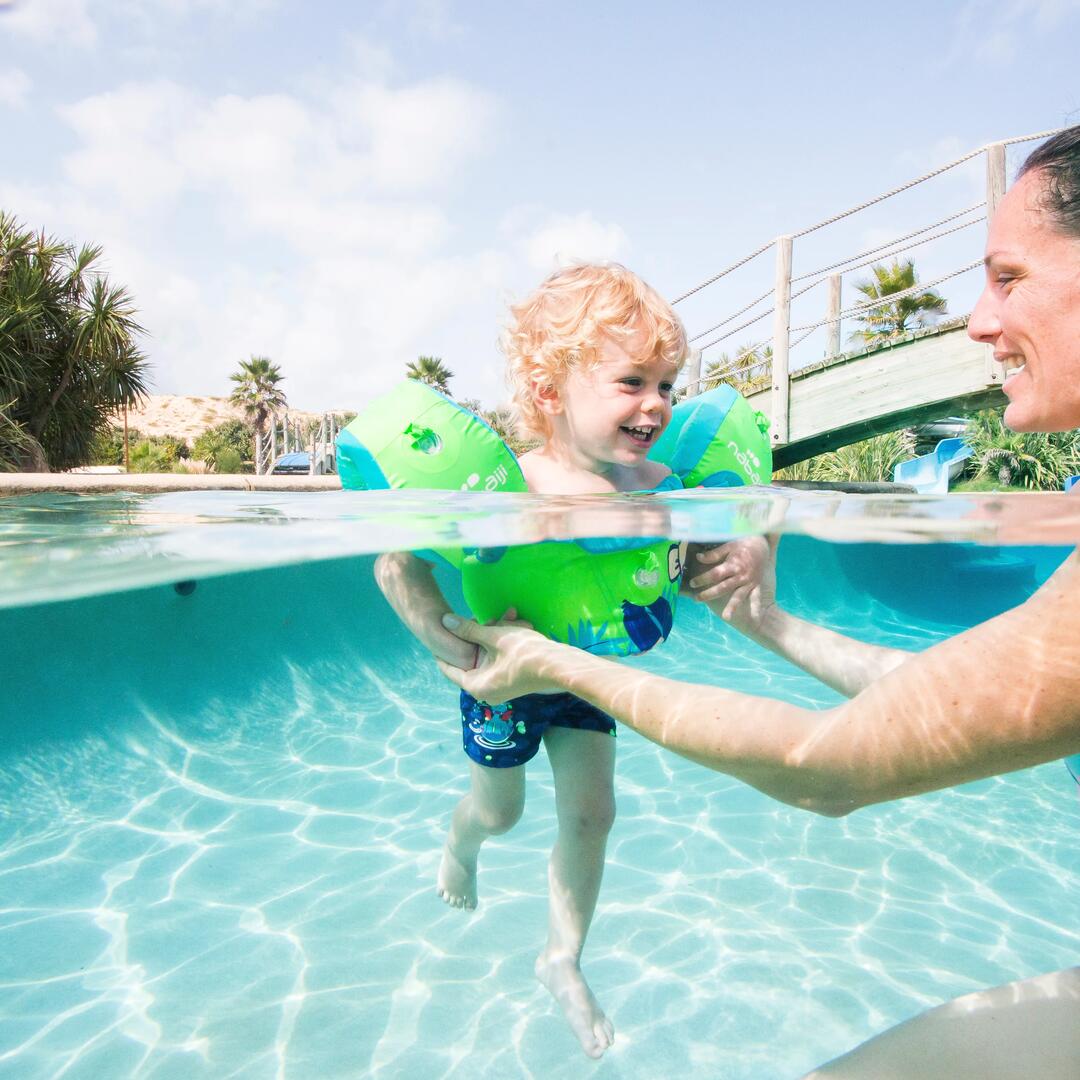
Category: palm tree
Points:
column 886, row 320
column 750, row 370
column 432, row 371
column 258, row 394
column 68, row 349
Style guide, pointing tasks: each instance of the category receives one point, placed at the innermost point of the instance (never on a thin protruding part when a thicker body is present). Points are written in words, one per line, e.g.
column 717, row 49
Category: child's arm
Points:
column 727, row 576
column 409, row 586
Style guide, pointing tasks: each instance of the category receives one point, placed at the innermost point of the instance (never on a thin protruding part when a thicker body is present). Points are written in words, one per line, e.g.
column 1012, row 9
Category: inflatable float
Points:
column 622, row 599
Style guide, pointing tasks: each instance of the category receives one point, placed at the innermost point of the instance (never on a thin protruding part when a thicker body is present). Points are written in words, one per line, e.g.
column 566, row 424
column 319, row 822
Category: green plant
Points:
column 233, row 436
column 258, row 394
column 749, row 371
column 801, row 470
column 432, row 371
column 69, row 356
column 892, row 317
column 1035, row 460
column 228, row 461
column 149, row 456
column 107, row 447
column 869, row 461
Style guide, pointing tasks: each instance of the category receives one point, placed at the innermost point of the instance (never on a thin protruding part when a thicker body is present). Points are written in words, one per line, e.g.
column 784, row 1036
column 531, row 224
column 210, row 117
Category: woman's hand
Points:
column 512, row 659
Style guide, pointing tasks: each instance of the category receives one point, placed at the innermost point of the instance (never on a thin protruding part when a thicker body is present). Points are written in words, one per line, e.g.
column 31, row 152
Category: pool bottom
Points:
column 222, row 814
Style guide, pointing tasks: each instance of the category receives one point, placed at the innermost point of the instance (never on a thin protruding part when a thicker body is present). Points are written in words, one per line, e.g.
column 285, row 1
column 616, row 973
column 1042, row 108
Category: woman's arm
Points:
column 1004, row 695
column 841, row 662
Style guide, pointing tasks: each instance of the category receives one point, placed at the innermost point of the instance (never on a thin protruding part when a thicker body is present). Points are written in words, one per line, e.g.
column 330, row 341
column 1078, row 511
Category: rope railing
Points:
column 742, row 311
column 871, row 202
column 727, row 270
column 888, row 298
column 883, row 253
column 897, row 240
column 806, row 330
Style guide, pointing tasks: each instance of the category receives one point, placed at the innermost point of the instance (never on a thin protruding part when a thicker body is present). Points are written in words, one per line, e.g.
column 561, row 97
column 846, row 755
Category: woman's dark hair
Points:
column 1058, row 159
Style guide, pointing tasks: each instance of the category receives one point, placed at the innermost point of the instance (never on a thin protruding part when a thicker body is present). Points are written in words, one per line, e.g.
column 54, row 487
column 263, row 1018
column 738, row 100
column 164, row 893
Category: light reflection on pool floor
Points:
column 244, row 888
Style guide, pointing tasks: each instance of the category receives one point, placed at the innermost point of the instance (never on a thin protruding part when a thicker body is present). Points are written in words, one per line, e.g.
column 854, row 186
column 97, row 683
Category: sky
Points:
column 343, row 186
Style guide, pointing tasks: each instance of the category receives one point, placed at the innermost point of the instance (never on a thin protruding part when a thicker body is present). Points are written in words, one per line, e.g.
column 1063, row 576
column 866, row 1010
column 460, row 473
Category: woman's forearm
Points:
column 1002, row 696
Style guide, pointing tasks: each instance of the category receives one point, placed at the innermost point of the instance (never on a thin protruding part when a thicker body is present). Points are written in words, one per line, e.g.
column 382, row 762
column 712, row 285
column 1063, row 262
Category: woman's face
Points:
column 1029, row 311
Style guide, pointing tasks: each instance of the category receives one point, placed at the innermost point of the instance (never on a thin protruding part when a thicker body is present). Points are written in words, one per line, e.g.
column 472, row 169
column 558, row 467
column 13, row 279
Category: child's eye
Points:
column 666, row 387
column 632, row 380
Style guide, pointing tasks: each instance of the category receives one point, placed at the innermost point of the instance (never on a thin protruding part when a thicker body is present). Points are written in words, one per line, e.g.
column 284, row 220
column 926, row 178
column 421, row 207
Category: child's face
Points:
column 613, row 413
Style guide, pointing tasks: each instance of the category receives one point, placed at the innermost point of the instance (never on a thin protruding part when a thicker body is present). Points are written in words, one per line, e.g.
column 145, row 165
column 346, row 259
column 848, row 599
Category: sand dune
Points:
column 188, row 417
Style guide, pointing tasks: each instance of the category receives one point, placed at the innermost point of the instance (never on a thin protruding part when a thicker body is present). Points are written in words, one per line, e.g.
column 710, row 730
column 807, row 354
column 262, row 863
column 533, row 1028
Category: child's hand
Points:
column 738, row 579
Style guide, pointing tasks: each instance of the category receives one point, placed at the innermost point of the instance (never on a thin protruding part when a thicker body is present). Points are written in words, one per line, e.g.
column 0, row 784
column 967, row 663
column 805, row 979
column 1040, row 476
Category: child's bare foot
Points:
column 456, row 883
column 582, row 1011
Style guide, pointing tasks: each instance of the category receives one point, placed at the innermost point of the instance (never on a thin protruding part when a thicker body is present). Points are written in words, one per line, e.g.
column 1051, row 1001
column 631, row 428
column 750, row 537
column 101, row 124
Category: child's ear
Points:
column 546, row 396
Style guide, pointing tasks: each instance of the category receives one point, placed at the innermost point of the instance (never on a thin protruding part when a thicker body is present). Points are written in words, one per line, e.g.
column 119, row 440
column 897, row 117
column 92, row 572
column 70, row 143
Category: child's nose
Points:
column 654, row 401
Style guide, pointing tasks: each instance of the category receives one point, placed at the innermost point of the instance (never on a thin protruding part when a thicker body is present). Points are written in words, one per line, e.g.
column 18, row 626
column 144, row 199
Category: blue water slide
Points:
column 931, row 473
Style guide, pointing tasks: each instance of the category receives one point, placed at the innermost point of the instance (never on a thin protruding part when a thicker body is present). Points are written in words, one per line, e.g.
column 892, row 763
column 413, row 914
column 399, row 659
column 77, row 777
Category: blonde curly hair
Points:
column 561, row 326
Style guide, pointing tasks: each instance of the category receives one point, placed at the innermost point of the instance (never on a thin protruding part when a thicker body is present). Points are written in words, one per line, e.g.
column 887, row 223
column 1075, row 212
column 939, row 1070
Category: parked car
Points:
column 296, row 463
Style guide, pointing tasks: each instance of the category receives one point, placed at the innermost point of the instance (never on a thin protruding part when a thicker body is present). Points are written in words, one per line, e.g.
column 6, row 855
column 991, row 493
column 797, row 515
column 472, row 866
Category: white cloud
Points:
column 312, row 232
column 78, row 22
column 14, row 86
column 991, row 30
column 52, row 20
column 563, row 238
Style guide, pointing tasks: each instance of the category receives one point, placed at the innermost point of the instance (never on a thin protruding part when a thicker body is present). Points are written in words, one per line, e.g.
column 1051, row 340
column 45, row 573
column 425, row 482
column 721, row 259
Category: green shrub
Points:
column 107, row 447
column 1036, row 460
column 869, row 461
column 147, row 456
column 228, row 461
column 233, row 436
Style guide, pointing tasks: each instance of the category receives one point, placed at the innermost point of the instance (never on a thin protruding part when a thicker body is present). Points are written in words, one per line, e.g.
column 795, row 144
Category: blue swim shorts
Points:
column 502, row 736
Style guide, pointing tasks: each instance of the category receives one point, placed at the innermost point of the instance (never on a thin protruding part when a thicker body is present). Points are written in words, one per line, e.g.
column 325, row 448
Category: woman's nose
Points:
column 984, row 324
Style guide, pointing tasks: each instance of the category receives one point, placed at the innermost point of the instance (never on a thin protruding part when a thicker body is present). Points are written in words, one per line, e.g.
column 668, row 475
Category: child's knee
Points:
column 592, row 819
column 501, row 817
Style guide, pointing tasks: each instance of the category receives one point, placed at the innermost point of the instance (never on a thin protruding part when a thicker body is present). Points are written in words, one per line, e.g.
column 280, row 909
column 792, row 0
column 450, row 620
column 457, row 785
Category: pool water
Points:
column 221, row 815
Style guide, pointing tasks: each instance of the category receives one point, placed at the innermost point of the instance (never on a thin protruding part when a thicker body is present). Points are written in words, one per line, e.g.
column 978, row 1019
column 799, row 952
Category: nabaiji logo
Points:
column 749, row 461
column 495, row 479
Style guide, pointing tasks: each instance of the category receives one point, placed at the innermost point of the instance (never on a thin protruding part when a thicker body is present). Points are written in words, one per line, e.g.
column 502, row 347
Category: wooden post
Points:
column 693, row 374
column 832, row 341
column 781, row 383
column 995, row 177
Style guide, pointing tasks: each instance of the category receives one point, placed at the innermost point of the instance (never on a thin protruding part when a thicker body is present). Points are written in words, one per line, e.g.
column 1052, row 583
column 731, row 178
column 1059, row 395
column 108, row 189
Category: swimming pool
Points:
column 221, row 812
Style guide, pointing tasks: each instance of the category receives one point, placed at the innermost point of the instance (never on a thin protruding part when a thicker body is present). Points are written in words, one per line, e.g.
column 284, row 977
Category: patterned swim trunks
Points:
column 508, row 734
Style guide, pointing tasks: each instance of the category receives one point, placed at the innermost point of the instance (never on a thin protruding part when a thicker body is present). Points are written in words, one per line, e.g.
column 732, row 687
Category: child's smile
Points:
column 611, row 414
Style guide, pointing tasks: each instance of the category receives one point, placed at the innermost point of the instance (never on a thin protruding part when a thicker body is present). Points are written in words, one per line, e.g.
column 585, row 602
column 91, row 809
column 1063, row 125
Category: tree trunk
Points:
column 258, row 451
column 33, row 458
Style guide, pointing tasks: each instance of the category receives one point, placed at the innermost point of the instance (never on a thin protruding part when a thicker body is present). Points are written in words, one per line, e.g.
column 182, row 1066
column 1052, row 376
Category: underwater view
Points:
column 226, row 772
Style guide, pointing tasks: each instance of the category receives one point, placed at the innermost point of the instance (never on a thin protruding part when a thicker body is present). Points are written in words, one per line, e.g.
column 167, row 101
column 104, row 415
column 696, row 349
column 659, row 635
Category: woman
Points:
column 1005, row 695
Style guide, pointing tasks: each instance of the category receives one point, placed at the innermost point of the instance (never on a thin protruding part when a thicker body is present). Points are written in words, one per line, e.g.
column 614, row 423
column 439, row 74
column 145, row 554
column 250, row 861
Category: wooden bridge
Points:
column 910, row 380
column 897, row 382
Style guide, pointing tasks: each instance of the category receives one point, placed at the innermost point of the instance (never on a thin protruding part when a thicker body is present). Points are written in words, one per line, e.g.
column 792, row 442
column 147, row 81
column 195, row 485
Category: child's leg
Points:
column 492, row 806
column 583, row 765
